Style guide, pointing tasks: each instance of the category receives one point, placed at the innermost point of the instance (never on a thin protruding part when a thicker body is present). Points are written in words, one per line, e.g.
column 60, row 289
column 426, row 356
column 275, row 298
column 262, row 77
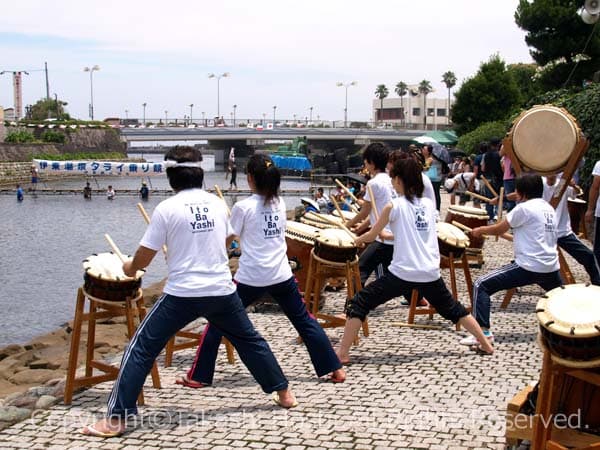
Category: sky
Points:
column 278, row 53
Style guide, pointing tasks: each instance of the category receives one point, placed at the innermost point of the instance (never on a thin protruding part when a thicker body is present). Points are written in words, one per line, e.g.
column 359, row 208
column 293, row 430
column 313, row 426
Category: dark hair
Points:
column 396, row 155
column 320, row 189
column 409, row 171
column 530, row 186
column 484, row 147
column 181, row 178
column 495, row 141
column 265, row 174
column 416, row 154
column 376, row 153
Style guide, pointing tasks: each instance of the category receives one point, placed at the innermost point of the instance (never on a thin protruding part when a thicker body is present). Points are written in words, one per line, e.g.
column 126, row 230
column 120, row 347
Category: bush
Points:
column 469, row 142
column 19, row 137
column 53, row 136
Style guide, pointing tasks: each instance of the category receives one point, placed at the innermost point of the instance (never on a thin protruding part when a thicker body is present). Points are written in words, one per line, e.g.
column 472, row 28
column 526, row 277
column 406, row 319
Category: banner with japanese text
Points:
column 142, row 169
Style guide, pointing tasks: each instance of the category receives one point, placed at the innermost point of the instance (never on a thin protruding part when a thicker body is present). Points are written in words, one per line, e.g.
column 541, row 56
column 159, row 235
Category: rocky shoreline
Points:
column 32, row 376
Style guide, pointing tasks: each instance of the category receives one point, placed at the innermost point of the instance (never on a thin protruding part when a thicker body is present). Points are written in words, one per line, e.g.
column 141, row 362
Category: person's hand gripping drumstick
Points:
column 124, row 259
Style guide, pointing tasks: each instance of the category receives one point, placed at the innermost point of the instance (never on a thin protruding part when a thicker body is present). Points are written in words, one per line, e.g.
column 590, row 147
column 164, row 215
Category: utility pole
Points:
column 47, row 83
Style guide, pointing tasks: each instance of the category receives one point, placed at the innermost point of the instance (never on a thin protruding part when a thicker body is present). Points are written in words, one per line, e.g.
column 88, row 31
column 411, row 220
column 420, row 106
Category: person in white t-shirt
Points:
column 194, row 225
column 533, row 222
column 416, row 260
column 260, row 222
column 592, row 215
column 459, row 184
column 428, row 191
column 380, row 251
column 566, row 239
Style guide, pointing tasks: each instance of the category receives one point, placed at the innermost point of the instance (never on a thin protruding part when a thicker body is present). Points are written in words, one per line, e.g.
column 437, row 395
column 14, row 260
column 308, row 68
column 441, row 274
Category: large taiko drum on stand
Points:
column 470, row 217
column 451, row 239
column 104, row 278
column 569, row 319
column 577, row 208
column 336, row 245
column 544, row 138
column 300, row 240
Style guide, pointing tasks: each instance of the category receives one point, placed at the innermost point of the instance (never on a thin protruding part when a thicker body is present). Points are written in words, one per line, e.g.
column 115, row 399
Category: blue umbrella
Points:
column 441, row 153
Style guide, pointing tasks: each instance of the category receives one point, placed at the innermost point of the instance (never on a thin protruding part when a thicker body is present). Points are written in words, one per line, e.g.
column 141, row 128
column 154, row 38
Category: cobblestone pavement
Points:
column 406, row 388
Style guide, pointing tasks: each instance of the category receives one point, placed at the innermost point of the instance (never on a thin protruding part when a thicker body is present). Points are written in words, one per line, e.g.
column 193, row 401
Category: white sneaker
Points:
column 472, row 340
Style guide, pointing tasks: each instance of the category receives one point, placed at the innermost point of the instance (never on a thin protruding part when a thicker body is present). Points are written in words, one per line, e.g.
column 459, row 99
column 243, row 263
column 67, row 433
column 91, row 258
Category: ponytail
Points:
column 267, row 178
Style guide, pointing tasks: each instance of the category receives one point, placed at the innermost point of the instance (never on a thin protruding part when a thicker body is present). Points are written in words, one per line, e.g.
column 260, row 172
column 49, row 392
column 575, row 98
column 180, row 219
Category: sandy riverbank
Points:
column 46, row 357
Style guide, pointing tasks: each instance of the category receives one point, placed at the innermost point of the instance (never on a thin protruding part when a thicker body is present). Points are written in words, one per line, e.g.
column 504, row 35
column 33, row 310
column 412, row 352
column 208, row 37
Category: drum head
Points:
column 451, row 235
column 572, row 311
column 467, row 211
column 544, row 137
column 107, row 266
column 302, row 229
column 336, row 238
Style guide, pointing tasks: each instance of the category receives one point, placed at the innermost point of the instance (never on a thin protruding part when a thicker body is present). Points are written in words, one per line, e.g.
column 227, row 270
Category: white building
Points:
column 408, row 111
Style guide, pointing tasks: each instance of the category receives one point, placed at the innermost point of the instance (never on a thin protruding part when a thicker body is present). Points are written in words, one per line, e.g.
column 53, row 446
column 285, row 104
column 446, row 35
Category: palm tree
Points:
column 449, row 79
column 381, row 92
column 402, row 90
column 425, row 88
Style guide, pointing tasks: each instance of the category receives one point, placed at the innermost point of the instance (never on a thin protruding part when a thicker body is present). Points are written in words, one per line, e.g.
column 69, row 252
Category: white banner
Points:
column 101, row 167
column 134, row 169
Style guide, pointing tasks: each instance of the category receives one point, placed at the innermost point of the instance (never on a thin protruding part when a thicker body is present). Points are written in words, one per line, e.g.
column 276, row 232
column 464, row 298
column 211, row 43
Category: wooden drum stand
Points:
column 319, row 270
column 131, row 308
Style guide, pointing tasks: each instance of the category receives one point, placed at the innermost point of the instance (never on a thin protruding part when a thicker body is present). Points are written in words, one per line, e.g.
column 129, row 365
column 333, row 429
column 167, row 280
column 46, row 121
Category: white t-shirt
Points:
column 462, row 181
column 534, row 230
column 416, row 251
column 596, row 173
column 563, row 221
column 194, row 226
column 261, row 229
column 383, row 191
column 428, row 188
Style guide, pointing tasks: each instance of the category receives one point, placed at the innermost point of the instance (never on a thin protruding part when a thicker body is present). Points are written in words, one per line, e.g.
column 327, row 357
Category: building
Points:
column 408, row 112
column 9, row 114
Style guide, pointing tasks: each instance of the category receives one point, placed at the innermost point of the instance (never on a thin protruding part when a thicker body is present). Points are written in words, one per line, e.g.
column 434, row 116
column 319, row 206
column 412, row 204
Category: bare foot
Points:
column 338, row 376
column 343, row 357
column 108, row 427
column 285, row 399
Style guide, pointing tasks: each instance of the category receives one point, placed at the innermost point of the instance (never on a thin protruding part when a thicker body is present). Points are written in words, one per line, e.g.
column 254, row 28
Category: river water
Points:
column 45, row 238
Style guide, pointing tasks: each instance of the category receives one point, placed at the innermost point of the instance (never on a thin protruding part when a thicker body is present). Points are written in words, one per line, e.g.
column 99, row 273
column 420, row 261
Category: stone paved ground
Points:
column 407, row 388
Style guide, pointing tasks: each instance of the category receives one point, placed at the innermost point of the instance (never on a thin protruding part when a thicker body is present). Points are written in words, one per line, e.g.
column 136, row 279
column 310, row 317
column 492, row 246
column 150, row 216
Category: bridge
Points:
column 223, row 137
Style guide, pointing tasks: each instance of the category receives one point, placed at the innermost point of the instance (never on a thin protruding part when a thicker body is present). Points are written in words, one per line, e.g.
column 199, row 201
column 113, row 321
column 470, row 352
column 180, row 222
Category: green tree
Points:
column 381, row 92
column 425, row 88
column 490, row 95
column 559, row 39
column 449, row 79
column 469, row 142
column 524, row 76
column 401, row 89
column 49, row 108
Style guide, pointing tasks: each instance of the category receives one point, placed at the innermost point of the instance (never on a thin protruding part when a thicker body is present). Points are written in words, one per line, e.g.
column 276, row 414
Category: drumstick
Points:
column 337, row 207
column 340, row 184
column 115, row 248
column 507, row 236
column 220, row 194
column 480, row 197
column 147, row 219
column 500, row 202
column 373, row 203
column 489, row 186
column 340, row 225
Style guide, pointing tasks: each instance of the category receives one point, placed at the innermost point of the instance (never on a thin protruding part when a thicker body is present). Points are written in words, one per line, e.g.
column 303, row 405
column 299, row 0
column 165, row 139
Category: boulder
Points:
column 10, row 350
column 12, row 414
column 45, row 402
column 32, row 376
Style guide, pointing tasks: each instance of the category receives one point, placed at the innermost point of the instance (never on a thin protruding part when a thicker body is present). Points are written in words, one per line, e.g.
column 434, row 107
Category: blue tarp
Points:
column 291, row 162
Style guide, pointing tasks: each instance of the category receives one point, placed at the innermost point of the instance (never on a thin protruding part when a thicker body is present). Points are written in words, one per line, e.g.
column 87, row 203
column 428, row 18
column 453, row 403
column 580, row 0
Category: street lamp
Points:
column 166, row 121
column 91, row 71
column 191, row 109
column 126, row 114
column 346, row 85
column 311, row 109
column 144, row 113
column 218, row 77
column 234, row 108
column 57, row 107
column 274, row 108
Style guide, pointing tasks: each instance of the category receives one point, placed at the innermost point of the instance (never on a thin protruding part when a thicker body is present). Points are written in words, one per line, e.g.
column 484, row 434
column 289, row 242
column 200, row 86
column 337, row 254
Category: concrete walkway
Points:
column 407, row 388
